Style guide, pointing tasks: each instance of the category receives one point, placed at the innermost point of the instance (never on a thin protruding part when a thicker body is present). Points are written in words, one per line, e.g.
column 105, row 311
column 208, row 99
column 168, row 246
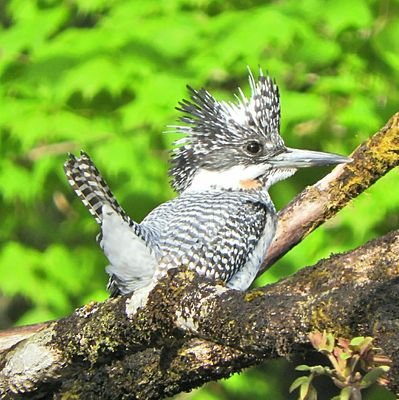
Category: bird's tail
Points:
column 90, row 186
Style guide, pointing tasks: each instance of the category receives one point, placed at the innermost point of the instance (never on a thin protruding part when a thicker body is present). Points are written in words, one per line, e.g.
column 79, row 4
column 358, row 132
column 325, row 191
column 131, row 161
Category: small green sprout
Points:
column 356, row 363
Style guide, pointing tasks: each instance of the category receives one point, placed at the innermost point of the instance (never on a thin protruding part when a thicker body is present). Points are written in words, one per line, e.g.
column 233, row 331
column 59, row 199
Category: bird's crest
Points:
column 211, row 126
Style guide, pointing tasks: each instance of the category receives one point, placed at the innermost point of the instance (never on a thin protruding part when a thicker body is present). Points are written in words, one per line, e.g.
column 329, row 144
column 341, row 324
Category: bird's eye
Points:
column 253, row 147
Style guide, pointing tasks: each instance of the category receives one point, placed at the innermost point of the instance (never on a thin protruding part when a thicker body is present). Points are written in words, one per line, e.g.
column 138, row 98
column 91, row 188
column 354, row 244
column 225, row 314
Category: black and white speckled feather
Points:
column 215, row 132
column 90, row 187
column 216, row 233
column 125, row 244
column 223, row 220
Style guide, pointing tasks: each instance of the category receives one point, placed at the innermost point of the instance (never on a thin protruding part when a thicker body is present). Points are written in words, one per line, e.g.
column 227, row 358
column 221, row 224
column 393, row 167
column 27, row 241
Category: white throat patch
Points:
column 228, row 179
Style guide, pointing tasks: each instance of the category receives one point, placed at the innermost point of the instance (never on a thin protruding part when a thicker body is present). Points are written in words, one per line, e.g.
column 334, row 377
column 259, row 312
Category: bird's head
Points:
column 236, row 145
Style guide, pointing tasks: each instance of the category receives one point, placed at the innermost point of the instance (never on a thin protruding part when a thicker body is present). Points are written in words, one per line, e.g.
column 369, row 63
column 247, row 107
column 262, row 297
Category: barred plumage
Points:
column 223, row 220
column 214, row 233
column 121, row 238
column 90, row 187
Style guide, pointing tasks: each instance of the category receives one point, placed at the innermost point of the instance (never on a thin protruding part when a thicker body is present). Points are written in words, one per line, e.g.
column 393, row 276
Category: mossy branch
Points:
column 187, row 331
column 321, row 201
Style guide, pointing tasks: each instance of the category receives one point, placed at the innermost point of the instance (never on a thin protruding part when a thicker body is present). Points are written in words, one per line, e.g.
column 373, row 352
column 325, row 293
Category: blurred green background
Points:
column 105, row 76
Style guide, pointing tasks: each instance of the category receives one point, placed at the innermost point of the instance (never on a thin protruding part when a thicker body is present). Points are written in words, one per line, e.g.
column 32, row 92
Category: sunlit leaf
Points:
column 299, row 382
column 105, row 76
column 372, row 376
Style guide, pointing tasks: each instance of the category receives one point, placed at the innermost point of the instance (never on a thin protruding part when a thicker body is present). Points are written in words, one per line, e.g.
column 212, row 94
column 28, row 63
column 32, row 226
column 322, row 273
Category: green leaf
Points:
column 357, row 341
column 33, row 28
column 305, row 388
column 299, row 382
column 103, row 73
column 386, row 44
column 345, row 393
column 345, row 356
column 303, row 106
column 17, row 182
column 341, row 15
column 359, row 105
column 320, row 370
column 303, row 368
column 312, row 393
column 330, row 342
column 372, row 376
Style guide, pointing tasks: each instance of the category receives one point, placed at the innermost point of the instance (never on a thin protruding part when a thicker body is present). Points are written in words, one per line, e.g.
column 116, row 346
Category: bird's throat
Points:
column 238, row 177
column 251, row 184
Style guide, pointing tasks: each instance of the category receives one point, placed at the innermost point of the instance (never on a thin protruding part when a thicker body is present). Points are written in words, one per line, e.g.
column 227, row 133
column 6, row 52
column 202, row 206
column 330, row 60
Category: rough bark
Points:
column 318, row 203
column 187, row 331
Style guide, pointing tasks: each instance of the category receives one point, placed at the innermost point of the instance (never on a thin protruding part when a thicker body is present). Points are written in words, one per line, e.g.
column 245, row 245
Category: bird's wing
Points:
column 213, row 233
column 132, row 263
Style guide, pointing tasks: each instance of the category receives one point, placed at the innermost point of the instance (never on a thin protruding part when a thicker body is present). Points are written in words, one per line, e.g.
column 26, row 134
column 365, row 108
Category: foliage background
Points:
column 105, row 76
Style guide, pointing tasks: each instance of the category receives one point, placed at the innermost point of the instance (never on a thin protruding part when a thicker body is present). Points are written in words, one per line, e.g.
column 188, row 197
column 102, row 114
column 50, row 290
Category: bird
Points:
column 223, row 220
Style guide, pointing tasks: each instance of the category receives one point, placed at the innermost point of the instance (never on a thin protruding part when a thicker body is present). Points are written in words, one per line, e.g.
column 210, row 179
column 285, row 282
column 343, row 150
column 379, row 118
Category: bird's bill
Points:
column 296, row 158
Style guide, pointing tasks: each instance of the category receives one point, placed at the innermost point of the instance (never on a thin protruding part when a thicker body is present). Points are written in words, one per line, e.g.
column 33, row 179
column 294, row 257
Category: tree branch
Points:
column 188, row 331
column 318, row 203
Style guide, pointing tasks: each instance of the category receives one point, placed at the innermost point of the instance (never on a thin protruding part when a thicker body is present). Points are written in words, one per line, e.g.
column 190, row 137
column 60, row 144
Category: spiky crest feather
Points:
column 212, row 126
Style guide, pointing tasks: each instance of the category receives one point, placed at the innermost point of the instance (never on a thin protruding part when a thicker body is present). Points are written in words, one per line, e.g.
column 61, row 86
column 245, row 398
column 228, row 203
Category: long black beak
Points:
column 296, row 158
